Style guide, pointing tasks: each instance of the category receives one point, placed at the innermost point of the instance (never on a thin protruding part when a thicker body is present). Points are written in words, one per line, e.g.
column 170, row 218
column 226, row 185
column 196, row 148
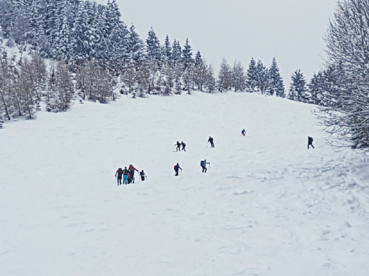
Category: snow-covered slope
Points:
column 267, row 206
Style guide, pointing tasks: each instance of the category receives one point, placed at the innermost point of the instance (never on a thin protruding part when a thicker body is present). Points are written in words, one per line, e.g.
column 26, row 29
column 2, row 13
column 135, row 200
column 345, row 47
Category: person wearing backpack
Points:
column 178, row 144
column 125, row 175
column 143, row 175
column 243, row 132
column 183, row 146
column 176, row 169
column 211, row 141
column 131, row 173
column 203, row 165
column 119, row 173
column 310, row 142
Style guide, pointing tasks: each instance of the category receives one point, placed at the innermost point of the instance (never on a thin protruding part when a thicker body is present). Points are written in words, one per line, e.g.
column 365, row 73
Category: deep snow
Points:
column 267, row 206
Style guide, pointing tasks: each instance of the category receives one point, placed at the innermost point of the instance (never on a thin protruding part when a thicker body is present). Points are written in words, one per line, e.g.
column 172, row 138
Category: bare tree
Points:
column 347, row 115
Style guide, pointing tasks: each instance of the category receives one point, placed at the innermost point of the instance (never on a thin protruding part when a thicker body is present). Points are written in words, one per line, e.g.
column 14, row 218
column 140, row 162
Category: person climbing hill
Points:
column 203, row 165
column 178, row 144
column 119, row 174
column 183, row 146
column 310, row 142
column 143, row 175
column 211, row 141
column 243, row 132
column 131, row 174
column 176, row 169
column 125, row 175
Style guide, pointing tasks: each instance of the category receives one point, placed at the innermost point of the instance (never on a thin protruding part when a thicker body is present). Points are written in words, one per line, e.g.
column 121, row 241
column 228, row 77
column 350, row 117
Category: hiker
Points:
column 203, row 165
column 211, row 140
column 131, row 173
column 310, row 142
column 125, row 175
column 178, row 144
column 119, row 173
column 143, row 175
column 176, row 169
column 183, row 146
column 243, row 132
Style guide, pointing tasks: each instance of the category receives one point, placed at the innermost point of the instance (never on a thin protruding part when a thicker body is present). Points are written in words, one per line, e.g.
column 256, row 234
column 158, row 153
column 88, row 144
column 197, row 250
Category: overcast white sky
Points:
column 290, row 30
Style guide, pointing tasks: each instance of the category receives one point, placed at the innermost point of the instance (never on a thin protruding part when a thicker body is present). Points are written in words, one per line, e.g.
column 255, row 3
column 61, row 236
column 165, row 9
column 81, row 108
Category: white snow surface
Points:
column 266, row 206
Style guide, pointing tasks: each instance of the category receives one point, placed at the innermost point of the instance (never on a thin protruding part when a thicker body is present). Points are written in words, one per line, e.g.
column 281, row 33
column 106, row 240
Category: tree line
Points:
column 92, row 53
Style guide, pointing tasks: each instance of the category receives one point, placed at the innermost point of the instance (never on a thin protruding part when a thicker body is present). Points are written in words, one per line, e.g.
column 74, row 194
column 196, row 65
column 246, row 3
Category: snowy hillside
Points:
column 267, row 206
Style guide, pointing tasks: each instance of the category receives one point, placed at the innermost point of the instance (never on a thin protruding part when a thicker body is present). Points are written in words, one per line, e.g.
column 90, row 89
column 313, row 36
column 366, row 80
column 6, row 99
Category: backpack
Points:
column 120, row 171
column 175, row 167
column 202, row 163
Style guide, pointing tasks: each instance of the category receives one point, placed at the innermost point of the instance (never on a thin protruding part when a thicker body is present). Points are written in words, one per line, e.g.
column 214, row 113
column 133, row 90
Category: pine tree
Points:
column 187, row 55
column 168, row 50
column 153, row 50
column 252, row 79
column 199, row 71
column 275, row 81
column 298, row 90
column 316, row 88
column 135, row 47
column 176, row 53
column 80, row 35
column 262, row 77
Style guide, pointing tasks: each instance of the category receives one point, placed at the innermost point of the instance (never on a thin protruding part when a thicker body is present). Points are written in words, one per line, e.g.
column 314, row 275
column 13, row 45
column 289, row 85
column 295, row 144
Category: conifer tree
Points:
column 262, row 77
column 153, row 50
column 187, row 55
column 276, row 86
column 298, row 90
column 168, row 50
column 176, row 53
column 316, row 89
column 252, row 79
column 135, row 47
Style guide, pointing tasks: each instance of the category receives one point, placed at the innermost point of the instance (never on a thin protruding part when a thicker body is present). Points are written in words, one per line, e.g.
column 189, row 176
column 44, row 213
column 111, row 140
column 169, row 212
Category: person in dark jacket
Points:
column 211, row 141
column 243, row 132
column 119, row 173
column 178, row 144
column 183, row 146
column 203, row 165
column 131, row 174
column 143, row 175
column 176, row 169
column 310, row 142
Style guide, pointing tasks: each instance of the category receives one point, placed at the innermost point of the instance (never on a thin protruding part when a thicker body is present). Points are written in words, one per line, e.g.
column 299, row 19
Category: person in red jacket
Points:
column 131, row 173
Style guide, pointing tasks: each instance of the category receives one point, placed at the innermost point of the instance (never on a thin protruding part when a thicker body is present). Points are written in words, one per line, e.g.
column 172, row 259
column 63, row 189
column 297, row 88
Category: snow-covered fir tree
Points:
column 252, row 79
column 187, row 55
column 262, row 77
column 298, row 90
column 275, row 86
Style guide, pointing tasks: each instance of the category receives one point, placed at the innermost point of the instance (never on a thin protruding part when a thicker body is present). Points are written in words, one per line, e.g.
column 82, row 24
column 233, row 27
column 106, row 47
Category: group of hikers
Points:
column 178, row 144
column 128, row 174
